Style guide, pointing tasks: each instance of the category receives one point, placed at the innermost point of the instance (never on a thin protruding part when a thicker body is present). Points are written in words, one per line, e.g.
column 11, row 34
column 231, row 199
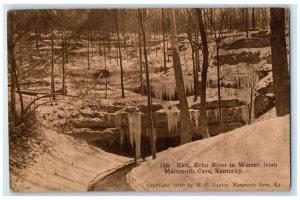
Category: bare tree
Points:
column 164, row 39
column 66, row 49
column 99, row 44
column 12, row 64
column 218, row 37
column 246, row 21
column 63, row 87
column 153, row 147
column 120, row 53
column 92, row 48
column 194, row 47
column 88, row 52
column 52, row 66
column 124, row 30
column 185, row 126
column 203, row 117
column 281, row 76
column 36, row 36
column 141, row 62
column 197, row 61
column 105, row 67
column 253, row 18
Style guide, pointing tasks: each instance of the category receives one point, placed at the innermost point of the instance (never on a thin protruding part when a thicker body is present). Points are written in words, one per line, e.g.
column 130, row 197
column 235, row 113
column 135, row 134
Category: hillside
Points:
column 264, row 142
column 62, row 163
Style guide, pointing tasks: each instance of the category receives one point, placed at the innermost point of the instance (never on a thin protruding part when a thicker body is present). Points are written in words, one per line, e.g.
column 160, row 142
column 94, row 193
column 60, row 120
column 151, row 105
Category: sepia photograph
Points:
column 149, row 99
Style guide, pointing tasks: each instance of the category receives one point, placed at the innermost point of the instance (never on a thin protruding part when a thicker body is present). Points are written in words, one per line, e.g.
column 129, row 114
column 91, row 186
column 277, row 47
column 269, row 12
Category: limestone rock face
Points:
column 263, row 104
column 234, row 59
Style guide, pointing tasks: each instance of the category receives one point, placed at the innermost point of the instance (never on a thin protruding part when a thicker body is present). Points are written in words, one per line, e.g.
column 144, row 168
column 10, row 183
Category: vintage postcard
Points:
column 160, row 99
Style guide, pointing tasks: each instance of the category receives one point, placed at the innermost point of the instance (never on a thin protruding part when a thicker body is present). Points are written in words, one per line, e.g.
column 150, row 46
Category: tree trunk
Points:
column 15, row 88
column 246, row 22
column 185, row 126
column 190, row 38
column 218, row 41
column 124, row 32
column 52, row 66
column 195, row 73
column 253, row 18
column 197, row 63
column 15, row 85
column 15, row 76
column 120, row 53
column 36, row 38
column 230, row 21
column 168, row 57
column 105, row 67
column 153, row 147
column 13, row 110
column 66, row 49
column 219, row 85
column 10, row 46
column 203, row 117
column 108, row 43
column 211, row 20
column 92, row 48
column 164, row 39
column 155, row 28
column 99, row 44
column 88, row 52
column 265, row 18
column 281, row 77
column 117, row 56
column 63, row 87
column 141, row 63
column 197, row 55
column 234, row 20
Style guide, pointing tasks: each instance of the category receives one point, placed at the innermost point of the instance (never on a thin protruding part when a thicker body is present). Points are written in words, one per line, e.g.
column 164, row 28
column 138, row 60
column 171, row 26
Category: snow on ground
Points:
column 268, row 115
column 267, row 141
column 65, row 165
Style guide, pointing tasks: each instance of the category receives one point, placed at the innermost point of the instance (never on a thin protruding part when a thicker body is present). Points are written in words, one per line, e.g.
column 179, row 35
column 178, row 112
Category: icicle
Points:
column 121, row 137
column 221, row 116
column 157, row 90
column 169, row 91
column 118, row 119
column 189, row 86
column 195, row 116
column 173, row 117
column 170, row 121
column 109, row 118
column 244, row 114
column 207, row 113
column 197, row 119
column 216, row 114
column 135, row 131
column 234, row 110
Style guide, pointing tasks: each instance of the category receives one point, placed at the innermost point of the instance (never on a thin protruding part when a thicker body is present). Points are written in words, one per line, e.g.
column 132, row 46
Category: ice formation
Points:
column 116, row 118
column 168, row 89
column 135, row 131
column 216, row 111
column 194, row 115
column 173, row 117
column 121, row 137
column 244, row 114
column 189, row 86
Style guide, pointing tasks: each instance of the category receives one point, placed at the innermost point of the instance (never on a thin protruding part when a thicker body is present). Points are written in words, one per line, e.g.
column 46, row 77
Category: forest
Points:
column 135, row 82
